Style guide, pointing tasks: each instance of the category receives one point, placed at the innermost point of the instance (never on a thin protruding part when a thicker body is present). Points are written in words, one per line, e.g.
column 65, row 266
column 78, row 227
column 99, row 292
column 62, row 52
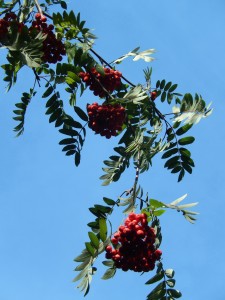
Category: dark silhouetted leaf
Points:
column 187, row 140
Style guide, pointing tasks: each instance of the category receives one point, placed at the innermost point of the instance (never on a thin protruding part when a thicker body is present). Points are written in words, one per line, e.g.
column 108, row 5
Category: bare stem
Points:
column 38, row 7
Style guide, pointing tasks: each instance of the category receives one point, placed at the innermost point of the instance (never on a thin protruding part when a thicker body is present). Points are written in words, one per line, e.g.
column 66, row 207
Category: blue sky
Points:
column 44, row 199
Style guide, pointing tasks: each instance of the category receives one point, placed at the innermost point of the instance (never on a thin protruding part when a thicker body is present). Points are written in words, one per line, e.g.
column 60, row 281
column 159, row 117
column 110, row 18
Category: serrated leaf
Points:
column 159, row 212
column 181, row 175
column 155, row 278
column 168, row 85
column 103, row 229
column 89, row 248
column 171, row 282
column 94, row 239
column 56, row 114
column 174, row 293
column 70, row 132
column 48, row 92
column 185, row 152
column 156, row 203
column 173, row 88
column 73, row 123
column 172, row 161
column 77, row 158
column 67, row 141
column 81, row 113
column 176, row 169
column 158, row 292
column 109, row 201
column 163, row 96
column 108, row 263
column 170, row 153
column 83, row 256
column 184, row 129
column 187, row 167
column 162, row 84
column 82, row 265
column 109, row 273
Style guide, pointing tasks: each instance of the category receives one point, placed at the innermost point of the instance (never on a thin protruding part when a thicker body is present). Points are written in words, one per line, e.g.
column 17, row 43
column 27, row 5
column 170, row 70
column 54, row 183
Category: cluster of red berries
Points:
column 3, row 29
column 107, row 119
column 52, row 47
column 5, row 24
column 134, row 245
column 100, row 84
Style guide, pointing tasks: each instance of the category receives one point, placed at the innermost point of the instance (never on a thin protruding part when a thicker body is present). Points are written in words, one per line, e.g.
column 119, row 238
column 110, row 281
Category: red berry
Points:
column 153, row 95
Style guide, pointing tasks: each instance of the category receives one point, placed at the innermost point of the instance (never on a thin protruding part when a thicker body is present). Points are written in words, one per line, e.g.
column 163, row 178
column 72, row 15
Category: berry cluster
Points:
column 100, row 84
column 107, row 119
column 3, row 29
column 134, row 245
column 5, row 24
column 53, row 49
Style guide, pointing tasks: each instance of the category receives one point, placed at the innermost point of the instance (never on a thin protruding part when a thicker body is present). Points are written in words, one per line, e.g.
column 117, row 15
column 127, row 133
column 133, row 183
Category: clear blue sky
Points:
column 44, row 199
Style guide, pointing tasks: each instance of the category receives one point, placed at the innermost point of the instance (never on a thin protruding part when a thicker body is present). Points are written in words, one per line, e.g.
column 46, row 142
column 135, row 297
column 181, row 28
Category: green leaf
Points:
column 170, row 153
column 68, row 131
column 81, row 113
column 187, row 140
column 159, row 212
column 103, row 229
column 162, row 84
column 56, row 114
column 168, row 85
column 67, row 141
column 69, row 147
column 108, row 263
column 155, row 278
column 172, row 161
column 156, row 203
column 187, row 167
column 77, row 159
column 173, row 88
column 184, row 129
column 94, row 239
column 48, row 92
column 181, row 175
column 174, row 293
column 83, row 256
column 109, row 273
column 73, row 123
column 51, row 100
column 176, row 169
column 89, row 248
column 103, row 209
column 171, row 282
column 163, row 96
column 109, row 201
column 185, row 152
column 82, row 265
column 158, row 292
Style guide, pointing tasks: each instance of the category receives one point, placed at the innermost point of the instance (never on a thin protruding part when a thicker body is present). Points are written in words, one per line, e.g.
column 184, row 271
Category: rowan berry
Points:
column 107, row 119
column 100, row 84
column 134, row 250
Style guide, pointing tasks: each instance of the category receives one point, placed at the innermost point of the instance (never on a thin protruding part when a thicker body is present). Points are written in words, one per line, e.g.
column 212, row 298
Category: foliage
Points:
column 146, row 131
